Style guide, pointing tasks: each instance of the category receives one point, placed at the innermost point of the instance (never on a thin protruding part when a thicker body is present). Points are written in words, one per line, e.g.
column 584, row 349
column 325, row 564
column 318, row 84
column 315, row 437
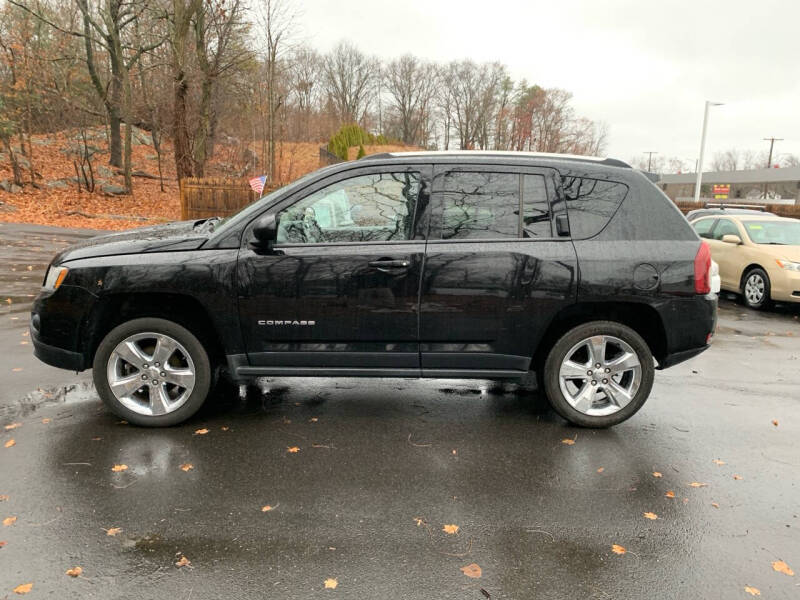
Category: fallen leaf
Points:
column 752, row 591
column 651, row 516
column 696, row 484
column 331, row 583
column 187, row 467
column 453, row 452
column 113, row 531
column 450, row 529
column 74, row 571
column 782, row 567
column 224, row 428
column 293, row 449
column 617, row 549
column 3, row 497
column 23, row 589
column 183, row 562
column 9, row 521
column 419, row 521
column 10, row 443
column 3, row 544
column 601, row 469
column 568, row 441
column 737, row 477
column 471, row 570
column 96, row 439
column 718, row 462
column 16, row 369
column 13, row 426
column 201, row 431
column 313, row 419
column 8, row 300
column 46, row 420
column 266, row 508
column 775, row 422
column 118, row 468
column 670, row 494
column 715, row 504
column 657, row 474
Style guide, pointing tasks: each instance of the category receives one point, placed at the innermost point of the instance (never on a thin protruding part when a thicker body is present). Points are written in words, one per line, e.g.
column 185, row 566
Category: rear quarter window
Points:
column 591, row 203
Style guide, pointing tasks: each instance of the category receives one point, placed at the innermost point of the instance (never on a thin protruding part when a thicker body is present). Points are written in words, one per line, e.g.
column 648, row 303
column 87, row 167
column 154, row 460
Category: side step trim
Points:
column 245, row 372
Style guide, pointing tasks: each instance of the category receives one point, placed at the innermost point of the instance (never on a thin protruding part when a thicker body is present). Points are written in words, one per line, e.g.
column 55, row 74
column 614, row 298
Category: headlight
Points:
column 54, row 277
column 788, row 265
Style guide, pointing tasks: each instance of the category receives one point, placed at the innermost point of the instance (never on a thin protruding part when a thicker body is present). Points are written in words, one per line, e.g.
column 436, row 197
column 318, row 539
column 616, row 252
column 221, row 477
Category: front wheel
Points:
column 152, row 372
column 598, row 374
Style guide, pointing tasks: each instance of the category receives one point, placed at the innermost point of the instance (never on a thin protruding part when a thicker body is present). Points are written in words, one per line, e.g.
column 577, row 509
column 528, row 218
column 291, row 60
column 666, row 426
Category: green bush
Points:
column 352, row 135
column 361, row 152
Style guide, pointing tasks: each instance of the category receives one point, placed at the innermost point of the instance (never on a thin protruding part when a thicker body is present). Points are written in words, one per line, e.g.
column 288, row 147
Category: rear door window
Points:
column 480, row 205
column 703, row 227
column 725, row 227
column 591, row 203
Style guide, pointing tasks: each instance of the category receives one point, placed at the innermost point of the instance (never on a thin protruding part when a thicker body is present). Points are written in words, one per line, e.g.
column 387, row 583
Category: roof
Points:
column 502, row 154
column 750, row 176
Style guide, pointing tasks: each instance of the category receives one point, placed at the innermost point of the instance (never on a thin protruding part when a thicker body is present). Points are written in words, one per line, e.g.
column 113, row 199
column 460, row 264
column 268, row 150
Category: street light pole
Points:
column 702, row 150
column 649, row 159
column 771, row 141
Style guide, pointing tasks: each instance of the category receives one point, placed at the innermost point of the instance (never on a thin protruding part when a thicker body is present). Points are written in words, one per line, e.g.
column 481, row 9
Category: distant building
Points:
column 782, row 186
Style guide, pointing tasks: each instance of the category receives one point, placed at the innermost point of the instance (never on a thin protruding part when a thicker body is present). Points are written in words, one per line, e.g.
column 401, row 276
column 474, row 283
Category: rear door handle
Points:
column 389, row 265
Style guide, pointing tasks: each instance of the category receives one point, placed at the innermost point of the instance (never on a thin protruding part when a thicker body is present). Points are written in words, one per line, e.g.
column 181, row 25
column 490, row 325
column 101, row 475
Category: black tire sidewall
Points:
column 767, row 289
column 203, row 374
column 572, row 337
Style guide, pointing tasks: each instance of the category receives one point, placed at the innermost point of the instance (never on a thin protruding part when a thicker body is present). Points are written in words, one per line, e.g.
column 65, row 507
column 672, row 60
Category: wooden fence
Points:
column 215, row 197
column 783, row 210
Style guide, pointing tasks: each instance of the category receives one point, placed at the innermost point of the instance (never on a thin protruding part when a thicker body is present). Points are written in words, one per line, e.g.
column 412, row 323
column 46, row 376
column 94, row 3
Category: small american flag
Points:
column 257, row 183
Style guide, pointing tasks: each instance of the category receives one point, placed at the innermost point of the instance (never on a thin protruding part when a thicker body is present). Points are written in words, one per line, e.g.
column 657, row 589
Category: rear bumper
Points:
column 689, row 323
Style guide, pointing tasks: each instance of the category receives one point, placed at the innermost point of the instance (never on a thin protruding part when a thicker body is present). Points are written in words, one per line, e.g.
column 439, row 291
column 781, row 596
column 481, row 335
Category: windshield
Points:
column 251, row 210
column 782, row 233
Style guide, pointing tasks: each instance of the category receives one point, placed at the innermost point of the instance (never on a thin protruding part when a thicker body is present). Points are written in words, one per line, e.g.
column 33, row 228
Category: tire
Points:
column 580, row 401
column 756, row 289
column 184, row 378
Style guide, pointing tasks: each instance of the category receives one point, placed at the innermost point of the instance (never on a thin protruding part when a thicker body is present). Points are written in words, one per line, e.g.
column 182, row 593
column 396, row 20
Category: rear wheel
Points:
column 152, row 372
column 756, row 288
column 598, row 374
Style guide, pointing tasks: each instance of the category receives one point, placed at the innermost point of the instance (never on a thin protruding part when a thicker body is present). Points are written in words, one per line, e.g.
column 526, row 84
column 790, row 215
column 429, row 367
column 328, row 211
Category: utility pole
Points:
column 649, row 159
column 702, row 150
column 771, row 141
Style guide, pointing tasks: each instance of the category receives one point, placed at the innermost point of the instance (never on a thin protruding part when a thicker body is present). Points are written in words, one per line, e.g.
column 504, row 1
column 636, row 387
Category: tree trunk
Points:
column 183, row 157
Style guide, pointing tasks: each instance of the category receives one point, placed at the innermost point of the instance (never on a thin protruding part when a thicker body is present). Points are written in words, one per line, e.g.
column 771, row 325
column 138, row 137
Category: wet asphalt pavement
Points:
column 382, row 465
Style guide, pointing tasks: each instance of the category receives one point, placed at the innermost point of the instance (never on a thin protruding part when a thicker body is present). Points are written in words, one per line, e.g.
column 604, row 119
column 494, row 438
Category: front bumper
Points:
column 56, row 357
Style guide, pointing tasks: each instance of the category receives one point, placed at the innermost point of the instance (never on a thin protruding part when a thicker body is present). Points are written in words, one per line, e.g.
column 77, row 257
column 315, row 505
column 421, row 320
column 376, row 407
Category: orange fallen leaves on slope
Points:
column 113, row 531
column 650, row 515
column 617, row 549
column 8, row 521
column 74, row 571
column 183, row 562
column 12, row 426
column 293, row 449
column 568, row 441
column 202, row 431
column 119, row 468
column 670, row 494
column 657, row 474
column 10, row 443
column 187, row 467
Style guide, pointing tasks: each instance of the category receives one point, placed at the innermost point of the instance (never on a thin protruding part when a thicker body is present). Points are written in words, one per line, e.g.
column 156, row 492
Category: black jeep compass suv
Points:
column 432, row 264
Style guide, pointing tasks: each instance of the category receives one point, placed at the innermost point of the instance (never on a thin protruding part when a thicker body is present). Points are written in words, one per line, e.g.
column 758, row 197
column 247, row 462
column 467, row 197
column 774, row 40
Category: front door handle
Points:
column 386, row 264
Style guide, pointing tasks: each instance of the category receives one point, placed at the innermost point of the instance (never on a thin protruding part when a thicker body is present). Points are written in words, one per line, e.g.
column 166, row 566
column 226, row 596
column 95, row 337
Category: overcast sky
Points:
column 644, row 67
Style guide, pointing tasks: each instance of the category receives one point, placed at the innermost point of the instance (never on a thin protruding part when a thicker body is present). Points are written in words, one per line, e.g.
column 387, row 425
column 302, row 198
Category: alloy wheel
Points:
column 600, row 375
column 151, row 373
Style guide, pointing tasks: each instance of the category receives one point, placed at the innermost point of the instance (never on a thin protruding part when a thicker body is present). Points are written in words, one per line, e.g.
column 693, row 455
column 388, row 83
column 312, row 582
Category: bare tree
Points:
column 411, row 84
column 349, row 81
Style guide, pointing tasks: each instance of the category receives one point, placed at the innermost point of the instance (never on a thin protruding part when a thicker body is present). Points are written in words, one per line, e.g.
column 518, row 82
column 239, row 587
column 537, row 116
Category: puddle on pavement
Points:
column 63, row 394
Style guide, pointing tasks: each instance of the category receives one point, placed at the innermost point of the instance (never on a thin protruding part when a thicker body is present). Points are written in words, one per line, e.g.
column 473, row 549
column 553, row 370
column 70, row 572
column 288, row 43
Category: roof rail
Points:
column 612, row 162
column 723, row 206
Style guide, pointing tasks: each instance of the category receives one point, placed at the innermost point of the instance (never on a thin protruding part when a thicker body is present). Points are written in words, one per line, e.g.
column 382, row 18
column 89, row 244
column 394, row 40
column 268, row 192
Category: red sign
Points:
column 722, row 188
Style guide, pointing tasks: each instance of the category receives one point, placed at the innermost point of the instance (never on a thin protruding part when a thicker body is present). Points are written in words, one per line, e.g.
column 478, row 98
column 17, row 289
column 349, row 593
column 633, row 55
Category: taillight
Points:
column 702, row 269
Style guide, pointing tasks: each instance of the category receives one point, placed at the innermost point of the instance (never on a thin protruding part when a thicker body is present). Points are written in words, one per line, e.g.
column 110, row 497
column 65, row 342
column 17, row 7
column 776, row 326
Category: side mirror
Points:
column 562, row 225
column 265, row 231
column 731, row 238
